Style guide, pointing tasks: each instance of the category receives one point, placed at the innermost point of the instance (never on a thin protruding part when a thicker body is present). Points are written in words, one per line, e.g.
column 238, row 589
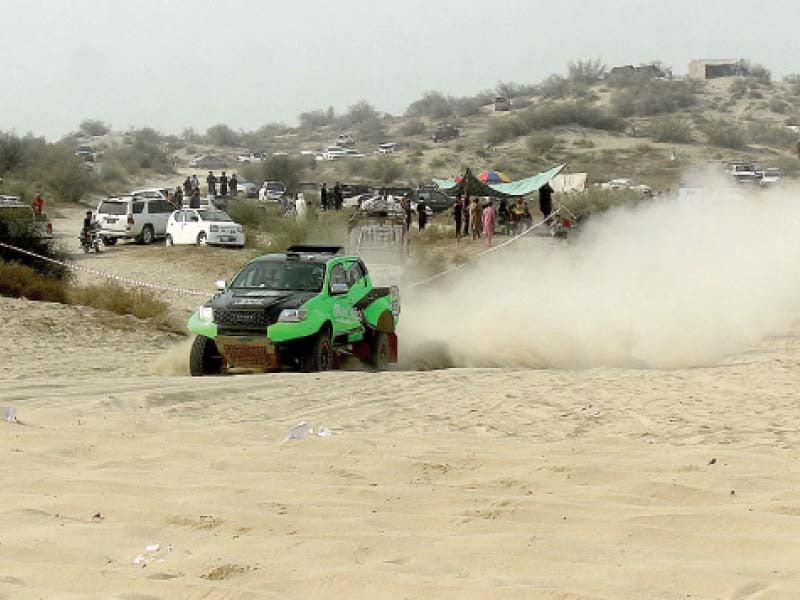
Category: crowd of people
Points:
column 331, row 199
column 477, row 221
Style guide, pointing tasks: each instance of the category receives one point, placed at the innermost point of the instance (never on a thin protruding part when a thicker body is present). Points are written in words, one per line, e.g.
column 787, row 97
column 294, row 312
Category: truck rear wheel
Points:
column 381, row 351
column 320, row 353
column 204, row 358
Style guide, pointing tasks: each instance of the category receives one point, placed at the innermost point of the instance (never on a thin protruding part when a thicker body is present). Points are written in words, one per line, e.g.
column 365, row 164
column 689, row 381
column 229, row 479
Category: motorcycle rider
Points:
column 89, row 230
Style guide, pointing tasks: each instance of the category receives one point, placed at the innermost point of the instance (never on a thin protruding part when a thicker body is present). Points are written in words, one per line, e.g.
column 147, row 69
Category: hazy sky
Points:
column 171, row 64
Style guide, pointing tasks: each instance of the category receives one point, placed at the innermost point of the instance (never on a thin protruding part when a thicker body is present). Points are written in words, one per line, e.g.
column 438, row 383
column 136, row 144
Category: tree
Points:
column 222, row 135
column 94, row 127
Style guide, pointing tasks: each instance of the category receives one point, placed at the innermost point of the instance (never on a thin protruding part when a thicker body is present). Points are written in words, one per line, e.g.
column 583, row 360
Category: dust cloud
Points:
column 669, row 283
column 174, row 360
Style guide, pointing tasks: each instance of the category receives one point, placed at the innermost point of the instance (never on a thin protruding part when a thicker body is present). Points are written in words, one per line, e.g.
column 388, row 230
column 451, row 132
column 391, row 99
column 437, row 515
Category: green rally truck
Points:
column 301, row 309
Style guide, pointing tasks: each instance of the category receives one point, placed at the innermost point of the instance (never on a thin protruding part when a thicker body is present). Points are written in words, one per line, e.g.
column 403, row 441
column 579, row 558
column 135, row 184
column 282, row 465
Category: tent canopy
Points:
column 476, row 187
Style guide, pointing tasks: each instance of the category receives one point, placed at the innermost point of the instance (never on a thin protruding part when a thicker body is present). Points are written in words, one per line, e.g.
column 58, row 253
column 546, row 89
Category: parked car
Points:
column 210, row 162
column 133, row 217
column 436, row 200
column 345, row 139
column 387, row 148
column 501, row 104
column 271, row 191
column 445, row 132
column 743, row 171
column 201, row 227
column 770, row 177
column 158, row 193
column 352, row 153
column 20, row 219
column 333, row 153
column 625, row 184
column 250, row 157
column 248, row 188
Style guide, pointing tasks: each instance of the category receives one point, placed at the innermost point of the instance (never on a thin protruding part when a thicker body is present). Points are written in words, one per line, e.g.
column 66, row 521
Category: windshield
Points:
column 113, row 208
column 268, row 275
column 215, row 215
column 275, row 185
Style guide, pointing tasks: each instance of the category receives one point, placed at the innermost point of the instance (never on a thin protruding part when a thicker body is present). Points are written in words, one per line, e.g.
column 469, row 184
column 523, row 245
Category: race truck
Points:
column 303, row 309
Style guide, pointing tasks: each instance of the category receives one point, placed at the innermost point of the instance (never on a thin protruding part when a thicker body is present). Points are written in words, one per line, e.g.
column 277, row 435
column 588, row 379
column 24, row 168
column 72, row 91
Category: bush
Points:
column 141, row 303
column 432, row 104
column 653, row 97
column 21, row 281
column 586, row 72
column 288, row 169
column 222, row 135
column 513, row 90
column 540, row 143
column 554, row 87
column 10, row 233
column 412, row 127
column 777, row 105
column 248, row 213
column 385, row 169
column 673, row 130
column 144, row 150
column 771, row 135
column 112, row 173
column 724, row 134
column 94, row 127
column 316, row 118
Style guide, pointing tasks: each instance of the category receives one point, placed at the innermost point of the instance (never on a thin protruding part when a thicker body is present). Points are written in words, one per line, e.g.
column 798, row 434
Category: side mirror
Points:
column 220, row 285
column 339, row 288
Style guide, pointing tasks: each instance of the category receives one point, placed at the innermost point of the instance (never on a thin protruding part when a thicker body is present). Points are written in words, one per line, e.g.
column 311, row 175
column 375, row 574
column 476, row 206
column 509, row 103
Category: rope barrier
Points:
column 487, row 251
column 111, row 276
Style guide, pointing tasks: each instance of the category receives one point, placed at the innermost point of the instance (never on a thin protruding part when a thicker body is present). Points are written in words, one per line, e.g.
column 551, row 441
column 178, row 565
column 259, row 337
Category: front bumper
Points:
column 225, row 239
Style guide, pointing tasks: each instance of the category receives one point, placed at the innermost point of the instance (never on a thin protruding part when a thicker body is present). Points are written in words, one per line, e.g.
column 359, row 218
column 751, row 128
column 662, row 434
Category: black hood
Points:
column 241, row 299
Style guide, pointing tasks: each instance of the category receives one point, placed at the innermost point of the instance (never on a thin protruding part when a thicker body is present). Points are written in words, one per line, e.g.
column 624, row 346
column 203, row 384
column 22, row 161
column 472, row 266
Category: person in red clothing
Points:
column 37, row 204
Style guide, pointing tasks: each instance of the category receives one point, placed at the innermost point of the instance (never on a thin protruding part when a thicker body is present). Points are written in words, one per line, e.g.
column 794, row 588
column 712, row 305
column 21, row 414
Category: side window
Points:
column 192, row 217
column 179, row 216
column 163, row 206
column 354, row 273
column 138, row 207
column 338, row 275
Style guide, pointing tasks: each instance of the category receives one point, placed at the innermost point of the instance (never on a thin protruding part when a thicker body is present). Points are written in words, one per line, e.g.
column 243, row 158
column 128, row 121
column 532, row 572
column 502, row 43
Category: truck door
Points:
column 345, row 321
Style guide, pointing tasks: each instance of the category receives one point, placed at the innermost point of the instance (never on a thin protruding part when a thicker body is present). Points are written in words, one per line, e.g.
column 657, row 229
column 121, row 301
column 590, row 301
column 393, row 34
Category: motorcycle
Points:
column 90, row 240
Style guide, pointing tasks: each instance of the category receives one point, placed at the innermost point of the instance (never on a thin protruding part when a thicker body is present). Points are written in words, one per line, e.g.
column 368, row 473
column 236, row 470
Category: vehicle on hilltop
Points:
column 303, row 308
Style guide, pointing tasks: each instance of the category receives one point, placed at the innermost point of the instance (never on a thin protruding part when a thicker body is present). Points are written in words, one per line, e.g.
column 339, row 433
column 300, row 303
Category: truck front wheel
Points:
column 320, row 353
column 204, row 358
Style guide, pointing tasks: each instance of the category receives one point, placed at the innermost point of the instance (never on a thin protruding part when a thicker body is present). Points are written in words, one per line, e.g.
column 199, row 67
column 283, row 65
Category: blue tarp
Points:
column 521, row 187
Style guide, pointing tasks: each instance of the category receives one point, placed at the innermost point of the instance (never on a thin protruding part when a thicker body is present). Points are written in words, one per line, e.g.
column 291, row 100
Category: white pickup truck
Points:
column 252, row 157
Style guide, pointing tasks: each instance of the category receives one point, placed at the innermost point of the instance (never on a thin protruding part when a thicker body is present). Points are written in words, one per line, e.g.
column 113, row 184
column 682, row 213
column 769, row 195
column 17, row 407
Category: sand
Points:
column 599, row 483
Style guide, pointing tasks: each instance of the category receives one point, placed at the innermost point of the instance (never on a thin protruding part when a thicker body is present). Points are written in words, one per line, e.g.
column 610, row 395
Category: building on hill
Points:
column 712, row 68
column 649, row 71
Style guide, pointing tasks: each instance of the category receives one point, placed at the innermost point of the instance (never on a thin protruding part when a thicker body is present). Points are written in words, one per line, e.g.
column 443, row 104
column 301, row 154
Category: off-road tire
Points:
column 168, row 241
column 204, row 358
column 147, row 236
column 109, row 241
column 202, row 240
column 381, row 351
column 319, row 356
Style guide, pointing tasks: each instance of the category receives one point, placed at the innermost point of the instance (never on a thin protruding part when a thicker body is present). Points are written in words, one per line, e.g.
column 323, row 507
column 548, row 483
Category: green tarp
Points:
column 476, row 187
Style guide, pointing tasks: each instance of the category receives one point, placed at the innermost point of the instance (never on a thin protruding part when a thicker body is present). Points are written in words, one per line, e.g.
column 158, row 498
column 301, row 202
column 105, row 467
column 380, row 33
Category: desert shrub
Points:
column 539, row 143
column 15, row 234
column 94, row 127
column 438, row 163
column 777, row 105
column 771, row 135
column 112, row 172
column 513, row 90
column 316, row 118
column 141, row 303
column 222, row 135
column 653, row 97
column 755, row 95
column 725, row 134
column 466, row 107
column 371, row 129
column 757, row 72
column 247, row 212
column 144, row 150
column 674, row 130
column 554, row 87
column 21, row 281
column 432, row 104
column 502, row 130
column 793, row 81
column 385, row 169
column 412, row 127
column 586, row 72
column 288, row 169
column 738, row 87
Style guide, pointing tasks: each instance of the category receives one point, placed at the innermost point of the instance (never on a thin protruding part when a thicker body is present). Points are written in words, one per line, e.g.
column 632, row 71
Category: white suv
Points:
column 133, row 217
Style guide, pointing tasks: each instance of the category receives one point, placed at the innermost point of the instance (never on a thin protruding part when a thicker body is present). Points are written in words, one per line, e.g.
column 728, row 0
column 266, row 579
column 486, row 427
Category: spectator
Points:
column 211, row 180
column 422, row 215
column 178, row 197
column 223, row 184
column 195, row 184
column 458, row 212
column 338, row 197
column 475, row 218
column 37, row 204
column 503, row 215
column 466, row 215
column 234, row 185
column 187, row 187
column 194, row 201
column 405, row 203
column 546, row 201
column 489, row 222
column 323, row 197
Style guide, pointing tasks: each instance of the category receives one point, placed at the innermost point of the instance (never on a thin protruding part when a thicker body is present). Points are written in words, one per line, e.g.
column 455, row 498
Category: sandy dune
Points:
column 550, row 484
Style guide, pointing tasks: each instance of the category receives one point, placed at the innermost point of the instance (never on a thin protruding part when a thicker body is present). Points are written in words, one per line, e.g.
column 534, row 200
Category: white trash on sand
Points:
column 303, row 429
